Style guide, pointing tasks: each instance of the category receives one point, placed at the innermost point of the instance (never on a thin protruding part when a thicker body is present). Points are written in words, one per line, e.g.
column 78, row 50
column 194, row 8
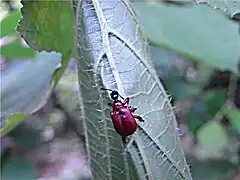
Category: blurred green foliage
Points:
column 8, row 29
column 197, row 32
column 13, row 120
column 213, row 136
column 234, row 116
column 211, row 170
column 25, row 88
column 211, row 40
column 18, row 167
column 205, row 108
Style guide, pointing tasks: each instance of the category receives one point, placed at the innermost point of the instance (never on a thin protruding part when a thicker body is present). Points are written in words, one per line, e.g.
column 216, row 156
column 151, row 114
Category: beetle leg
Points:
column 110, row 104
column 124, row 139
column 132, row 109
column 139, row 118
column 126, row 101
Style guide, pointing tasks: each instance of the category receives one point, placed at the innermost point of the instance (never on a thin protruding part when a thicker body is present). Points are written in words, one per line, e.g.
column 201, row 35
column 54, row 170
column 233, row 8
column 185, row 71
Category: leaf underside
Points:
column 112, row 54
column 229, row 7
column 199, row 32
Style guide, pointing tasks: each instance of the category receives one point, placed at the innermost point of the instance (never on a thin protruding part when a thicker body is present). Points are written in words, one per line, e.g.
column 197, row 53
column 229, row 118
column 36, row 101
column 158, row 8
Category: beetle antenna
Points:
column 120, row 96
column 107, row 89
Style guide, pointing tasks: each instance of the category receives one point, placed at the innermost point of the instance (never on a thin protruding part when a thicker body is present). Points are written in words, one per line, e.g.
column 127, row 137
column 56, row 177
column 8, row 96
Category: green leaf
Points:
column 25, row 136
column 25, row 85
column 60, row 70
column 111, row 53
column 9, row 23
column 196, row 31
column 215, row 100
column 197, row 116
column 15, row 49
column 213, row 136
column 48, row 25
column 13, row 120
column 229, row 7
column 234, row 116
column 18, row 168
column 205, row 108
column 211, row 169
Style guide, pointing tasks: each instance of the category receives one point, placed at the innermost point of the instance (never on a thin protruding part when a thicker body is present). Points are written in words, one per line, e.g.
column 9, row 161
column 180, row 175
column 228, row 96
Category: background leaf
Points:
column 213, row 136
column 169, row 68
column 9, row 22
column 112, row 54
column 15, row 50
column 215, row 100
column 205, row 108
column 53, row 34
column 172, row 68
column 234, row 116
column 230, row 7
column 199, row 32
column 67, row 93
column 18, row 167
column 211, row 169
column 13, row 120
column 24, row 86
column 25, row 136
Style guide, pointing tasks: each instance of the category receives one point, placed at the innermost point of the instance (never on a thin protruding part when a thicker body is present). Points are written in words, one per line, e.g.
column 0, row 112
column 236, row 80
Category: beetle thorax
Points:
column 117, row 105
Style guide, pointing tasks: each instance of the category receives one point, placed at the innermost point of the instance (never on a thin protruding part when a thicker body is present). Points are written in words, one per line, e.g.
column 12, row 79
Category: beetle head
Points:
column 114, row 95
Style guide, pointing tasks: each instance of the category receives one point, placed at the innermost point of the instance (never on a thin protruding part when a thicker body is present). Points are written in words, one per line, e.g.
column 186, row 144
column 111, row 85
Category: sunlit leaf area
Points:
column 120, row 89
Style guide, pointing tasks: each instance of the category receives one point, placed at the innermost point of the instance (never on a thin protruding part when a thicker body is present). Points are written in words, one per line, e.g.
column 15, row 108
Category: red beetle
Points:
column 123, row 120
